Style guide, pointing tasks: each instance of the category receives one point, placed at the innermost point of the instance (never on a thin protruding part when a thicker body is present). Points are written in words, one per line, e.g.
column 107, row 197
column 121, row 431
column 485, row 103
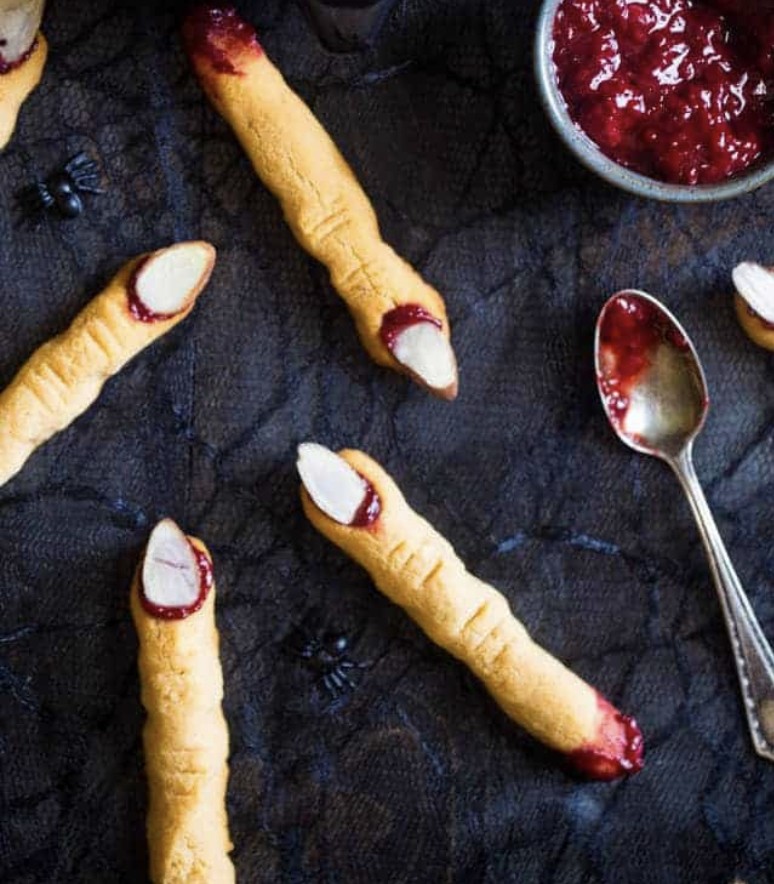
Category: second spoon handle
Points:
column 752, row 652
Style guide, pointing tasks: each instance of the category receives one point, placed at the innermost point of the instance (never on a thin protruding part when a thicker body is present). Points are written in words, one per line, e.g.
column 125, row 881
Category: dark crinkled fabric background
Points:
column 414, row 776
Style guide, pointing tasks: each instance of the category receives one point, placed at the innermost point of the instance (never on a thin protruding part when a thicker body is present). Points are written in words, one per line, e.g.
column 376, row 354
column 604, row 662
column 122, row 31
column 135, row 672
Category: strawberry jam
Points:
column 6, row 66
column 221, row 35
column 401, row 318
column 617, row 750
column 369, row 509
column 180, row 612
column 674, row 89
column 630, row 332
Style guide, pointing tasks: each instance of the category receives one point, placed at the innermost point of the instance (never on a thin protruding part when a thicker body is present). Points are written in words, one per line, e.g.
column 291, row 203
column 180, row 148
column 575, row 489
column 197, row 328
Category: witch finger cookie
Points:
column 352, row 501
column 23, row 51
column 148, row 297
column 186, row 735
column 401, row 319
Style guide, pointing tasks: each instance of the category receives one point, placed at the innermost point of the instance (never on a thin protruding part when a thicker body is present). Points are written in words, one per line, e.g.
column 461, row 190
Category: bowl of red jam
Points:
column 668, row 99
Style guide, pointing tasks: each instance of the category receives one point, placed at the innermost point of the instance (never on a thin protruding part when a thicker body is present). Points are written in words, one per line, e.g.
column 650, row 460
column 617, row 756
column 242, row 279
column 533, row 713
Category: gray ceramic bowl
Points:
column 592, row 157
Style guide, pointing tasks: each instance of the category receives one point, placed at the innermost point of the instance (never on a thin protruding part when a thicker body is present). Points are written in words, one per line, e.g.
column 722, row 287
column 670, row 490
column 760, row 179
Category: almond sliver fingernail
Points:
column 755, row 283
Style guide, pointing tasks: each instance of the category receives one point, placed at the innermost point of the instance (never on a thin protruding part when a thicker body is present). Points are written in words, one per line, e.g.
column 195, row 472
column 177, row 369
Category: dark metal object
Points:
column 61, row 192
column 346, row 25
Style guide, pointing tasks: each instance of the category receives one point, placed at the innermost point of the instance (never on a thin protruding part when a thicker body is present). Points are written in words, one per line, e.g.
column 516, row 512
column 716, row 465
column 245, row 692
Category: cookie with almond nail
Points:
column 754, row 301
column 353, row 502
column 186, row 735
column 23, row 52
column 147, row 298
column 400, row 318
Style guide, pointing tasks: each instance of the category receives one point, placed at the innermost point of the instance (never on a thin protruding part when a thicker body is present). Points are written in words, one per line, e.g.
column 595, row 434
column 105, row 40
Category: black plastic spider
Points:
column 326, row 656
column 61, row 192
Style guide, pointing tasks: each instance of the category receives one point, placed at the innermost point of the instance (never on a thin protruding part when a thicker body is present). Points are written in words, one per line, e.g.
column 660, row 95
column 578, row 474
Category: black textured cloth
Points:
column 414, row 775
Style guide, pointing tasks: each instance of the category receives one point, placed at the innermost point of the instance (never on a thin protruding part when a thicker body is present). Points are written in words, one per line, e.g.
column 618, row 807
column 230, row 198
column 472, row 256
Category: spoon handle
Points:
column 752, row 652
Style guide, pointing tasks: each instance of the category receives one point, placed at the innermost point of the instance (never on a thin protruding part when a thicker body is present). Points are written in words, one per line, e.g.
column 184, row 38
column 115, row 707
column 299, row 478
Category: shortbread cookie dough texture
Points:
column 23, row 51
column 149, row 296
column 400, row 318
column 186, row 735
column 357, row 505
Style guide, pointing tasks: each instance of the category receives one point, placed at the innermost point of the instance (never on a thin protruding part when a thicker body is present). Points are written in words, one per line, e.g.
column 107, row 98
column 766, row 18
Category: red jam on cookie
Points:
column 180, row 612
column 369, row 509
column 137, row 307
column 6, row 66
column 755, row 287
column 677, row 90
column 165, row 283
column 618, row 750
column 401, row 318
column 336, row 488
column 221, row 35
column 416, row 339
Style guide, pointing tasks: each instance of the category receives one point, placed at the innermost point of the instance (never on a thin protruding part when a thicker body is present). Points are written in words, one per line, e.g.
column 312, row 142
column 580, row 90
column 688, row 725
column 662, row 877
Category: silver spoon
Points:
column 654, row 393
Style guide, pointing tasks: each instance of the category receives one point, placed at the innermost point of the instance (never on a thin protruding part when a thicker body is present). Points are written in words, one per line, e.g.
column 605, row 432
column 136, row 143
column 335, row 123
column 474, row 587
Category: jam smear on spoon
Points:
column 631, row 331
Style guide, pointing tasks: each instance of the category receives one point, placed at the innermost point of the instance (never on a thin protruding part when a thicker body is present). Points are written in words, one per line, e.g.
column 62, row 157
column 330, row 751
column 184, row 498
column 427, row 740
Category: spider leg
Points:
column 330, row 685
column 347, row 680
column 298, row 643
column 85, row 173
column 352, row 664
column 44, row 195
column 87, row 182
column 87, row 188
column 333, row 677
column 80, row 161
column 337, row 680
column 36, row 195
column 344, row 680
